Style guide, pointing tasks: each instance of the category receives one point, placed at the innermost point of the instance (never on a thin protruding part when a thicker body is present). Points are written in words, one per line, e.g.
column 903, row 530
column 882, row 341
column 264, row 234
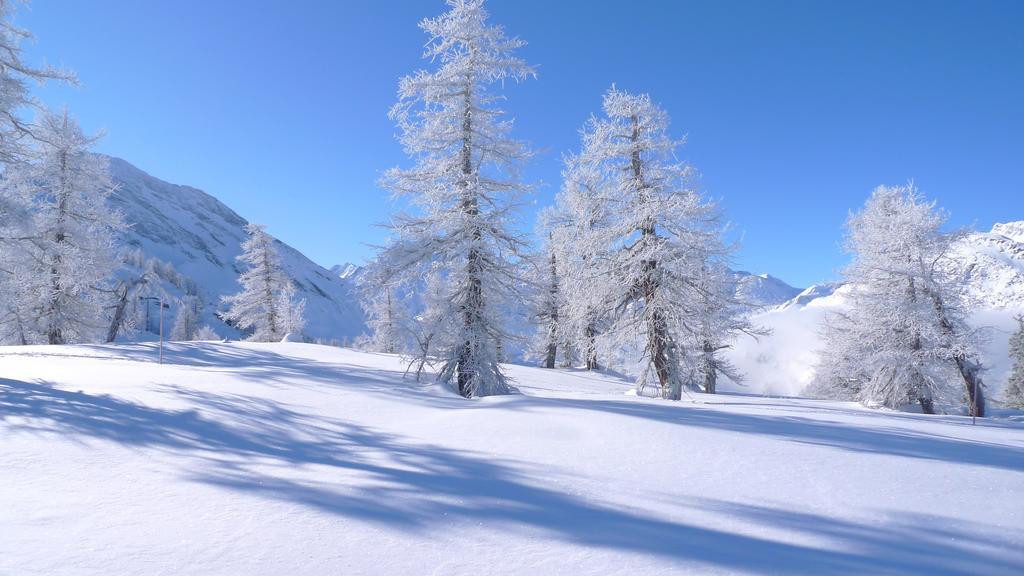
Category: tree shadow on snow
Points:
column 885, row 440
column 264, row 366
column 258, row 447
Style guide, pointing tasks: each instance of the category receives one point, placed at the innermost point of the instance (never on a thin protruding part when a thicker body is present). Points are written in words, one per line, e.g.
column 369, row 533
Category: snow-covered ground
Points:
column 255, row 459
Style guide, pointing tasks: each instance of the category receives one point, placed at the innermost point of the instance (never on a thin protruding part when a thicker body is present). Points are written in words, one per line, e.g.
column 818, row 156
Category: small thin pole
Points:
column 974, row 402
column 161, row 331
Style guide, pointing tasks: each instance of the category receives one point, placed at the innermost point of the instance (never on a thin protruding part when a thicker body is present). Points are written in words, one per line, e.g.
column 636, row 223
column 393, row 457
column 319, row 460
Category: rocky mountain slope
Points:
column 195, row 238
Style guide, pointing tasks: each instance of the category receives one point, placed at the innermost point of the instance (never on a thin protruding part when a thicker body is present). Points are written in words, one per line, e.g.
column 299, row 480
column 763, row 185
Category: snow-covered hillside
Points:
column 992, row 268
column 201, row 237
column 281, row 459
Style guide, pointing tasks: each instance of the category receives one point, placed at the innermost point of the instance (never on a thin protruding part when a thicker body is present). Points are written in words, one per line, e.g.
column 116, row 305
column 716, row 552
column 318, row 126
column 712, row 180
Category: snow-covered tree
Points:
column 125, row 292
column 15, row 77
column 257, row 307
column 903, row 339
column 385, row 319
column 206, row 333
column 186, row 320
column 654, row 235
column 387, row 310
column 1013, row 394
column 461, row 186
column 293, row 312
column 65, row 256
column 720, row 319
column 16, row 146
column 581, row 213
column 547, row 272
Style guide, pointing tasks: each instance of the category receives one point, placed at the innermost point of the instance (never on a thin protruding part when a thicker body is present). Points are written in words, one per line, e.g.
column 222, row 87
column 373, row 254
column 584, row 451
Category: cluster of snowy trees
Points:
column 636, row 259
column 904, row 338
column 266, row 306
column 1013, row 394
column 634, row 262
column 63, row 278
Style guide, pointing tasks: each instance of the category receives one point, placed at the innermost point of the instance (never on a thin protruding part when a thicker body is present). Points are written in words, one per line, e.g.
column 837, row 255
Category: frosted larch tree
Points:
column 386, row 310
column 904, row 339
column 15, row 77
column 68, row 251
column 257, row 308
column 15, row 145
column 583, row 209
column 1013, row 393
column 547, row 270
column 293, row 312
column 657, row 235
column 721, row 318
column 462, row 188
column 186, row 320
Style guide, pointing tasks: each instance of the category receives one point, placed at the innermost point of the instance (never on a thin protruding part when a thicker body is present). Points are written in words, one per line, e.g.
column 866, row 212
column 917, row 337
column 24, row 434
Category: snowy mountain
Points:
column 347, row 271
column 992, row 267
column 762, row 290
column 199, row 237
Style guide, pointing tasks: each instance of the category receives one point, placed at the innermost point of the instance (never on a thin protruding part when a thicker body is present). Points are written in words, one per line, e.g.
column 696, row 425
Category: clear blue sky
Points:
column 794, row 110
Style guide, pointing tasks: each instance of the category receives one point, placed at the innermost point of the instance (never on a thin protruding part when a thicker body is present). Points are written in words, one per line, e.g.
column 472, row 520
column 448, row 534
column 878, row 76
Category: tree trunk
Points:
column 968, row 371
column 118, row 320
column 591, row 348
column 54, row 333
column 552, row 313
column 973, row 385
column 657, row 345
column 927, row 406
column 472, row 312
column 709, row 369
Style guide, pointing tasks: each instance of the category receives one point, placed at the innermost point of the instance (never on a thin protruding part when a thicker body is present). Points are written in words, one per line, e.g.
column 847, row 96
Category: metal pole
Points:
column 974, row 402
column 161, row 331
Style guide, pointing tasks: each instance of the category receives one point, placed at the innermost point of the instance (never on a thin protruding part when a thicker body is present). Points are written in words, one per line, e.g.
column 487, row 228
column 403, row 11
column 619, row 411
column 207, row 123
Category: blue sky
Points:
column 794, row 110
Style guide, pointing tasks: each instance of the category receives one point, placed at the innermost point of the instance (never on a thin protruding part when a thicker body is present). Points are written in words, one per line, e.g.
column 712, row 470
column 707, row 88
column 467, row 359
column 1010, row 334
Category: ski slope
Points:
column 282, row 459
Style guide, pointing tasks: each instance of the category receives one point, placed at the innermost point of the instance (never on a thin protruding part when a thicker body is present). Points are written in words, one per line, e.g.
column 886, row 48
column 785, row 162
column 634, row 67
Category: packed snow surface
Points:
column 287, row 458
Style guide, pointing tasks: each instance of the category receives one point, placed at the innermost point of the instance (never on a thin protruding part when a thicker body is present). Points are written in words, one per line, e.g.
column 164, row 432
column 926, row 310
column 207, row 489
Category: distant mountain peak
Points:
column 346, row 271
column 1012, row 230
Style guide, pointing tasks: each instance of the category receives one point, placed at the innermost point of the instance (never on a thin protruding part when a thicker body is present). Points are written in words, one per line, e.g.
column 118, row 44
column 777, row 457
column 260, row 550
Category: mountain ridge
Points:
column 200, row 237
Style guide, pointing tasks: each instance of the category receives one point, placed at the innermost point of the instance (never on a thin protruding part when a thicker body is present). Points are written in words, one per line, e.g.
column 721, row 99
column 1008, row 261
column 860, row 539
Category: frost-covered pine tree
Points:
column 385, row 319
column 462, row 186
column 293, row 312
column 386, row 308
column 66, row 256
column 720, row 319
column 656, row 235
column 15, row 147
column 257, row 308
column 904, row 338
column 15, row 77
column 206, row 333
column 186, row 320
column 547, row 269
column 1013, row 393
column 582, row 210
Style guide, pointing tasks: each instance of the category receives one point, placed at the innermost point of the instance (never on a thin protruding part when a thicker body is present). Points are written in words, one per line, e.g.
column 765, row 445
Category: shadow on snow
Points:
column 262, row 448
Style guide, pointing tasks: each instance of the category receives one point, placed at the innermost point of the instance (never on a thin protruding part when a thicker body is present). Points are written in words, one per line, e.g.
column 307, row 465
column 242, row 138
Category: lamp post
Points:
column 160, row 302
